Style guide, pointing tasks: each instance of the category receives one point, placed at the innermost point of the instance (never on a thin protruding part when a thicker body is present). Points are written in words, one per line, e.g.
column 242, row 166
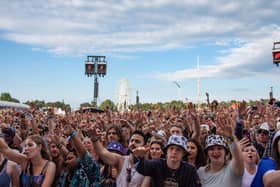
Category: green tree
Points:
column 36, row 103
column 58, row 104
column 107, row 104
column 85, row 105
column 7, row 97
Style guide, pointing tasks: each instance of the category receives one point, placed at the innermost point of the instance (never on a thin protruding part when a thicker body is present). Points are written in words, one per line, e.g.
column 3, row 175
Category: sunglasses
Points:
column 263, row 132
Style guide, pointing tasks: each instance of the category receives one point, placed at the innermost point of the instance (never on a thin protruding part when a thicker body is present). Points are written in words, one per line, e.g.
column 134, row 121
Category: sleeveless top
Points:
column 5, row 179
column 28, row 180
column 247, row 178
column 128, row 176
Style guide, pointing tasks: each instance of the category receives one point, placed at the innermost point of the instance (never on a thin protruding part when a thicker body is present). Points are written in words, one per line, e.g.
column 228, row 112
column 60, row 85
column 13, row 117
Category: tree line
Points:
column 109, row 104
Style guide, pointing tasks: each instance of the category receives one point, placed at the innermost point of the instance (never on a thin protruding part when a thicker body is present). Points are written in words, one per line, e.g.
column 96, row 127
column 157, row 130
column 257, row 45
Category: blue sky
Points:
column 44, row 45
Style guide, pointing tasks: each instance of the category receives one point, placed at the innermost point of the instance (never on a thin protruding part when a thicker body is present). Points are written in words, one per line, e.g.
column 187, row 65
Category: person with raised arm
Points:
column 127, row 175
column 220, row 172
column 38, row 170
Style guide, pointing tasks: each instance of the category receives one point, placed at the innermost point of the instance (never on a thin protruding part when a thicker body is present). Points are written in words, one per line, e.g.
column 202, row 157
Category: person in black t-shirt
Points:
column 172, row 171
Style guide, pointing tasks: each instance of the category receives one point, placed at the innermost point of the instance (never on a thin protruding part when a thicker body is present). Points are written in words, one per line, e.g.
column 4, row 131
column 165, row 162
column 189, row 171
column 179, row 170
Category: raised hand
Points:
column 140, row 152
column 242, row 108
column 244, row 142
column 225, row 125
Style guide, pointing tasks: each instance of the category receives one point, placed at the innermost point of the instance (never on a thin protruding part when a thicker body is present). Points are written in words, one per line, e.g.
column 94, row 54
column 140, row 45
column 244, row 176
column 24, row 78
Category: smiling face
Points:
column 216, row 154
column 31, row 149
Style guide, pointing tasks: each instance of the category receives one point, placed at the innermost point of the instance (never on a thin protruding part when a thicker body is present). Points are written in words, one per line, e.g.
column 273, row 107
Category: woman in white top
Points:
column 219, row 172
column 251, row 159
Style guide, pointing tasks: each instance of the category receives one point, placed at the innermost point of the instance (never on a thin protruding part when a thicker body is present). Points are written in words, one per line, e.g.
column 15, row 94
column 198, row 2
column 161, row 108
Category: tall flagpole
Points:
column 198, row 83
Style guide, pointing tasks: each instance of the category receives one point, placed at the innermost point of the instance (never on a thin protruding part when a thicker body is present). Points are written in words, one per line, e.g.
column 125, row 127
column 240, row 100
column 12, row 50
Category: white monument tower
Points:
column 123, row 95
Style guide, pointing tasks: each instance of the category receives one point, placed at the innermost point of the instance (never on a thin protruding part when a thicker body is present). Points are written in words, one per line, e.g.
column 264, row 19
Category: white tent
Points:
column 7, row 104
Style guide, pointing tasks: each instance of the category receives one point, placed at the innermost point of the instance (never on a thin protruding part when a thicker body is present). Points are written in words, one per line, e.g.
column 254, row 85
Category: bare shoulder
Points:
column 13, row 167
column 51, row 165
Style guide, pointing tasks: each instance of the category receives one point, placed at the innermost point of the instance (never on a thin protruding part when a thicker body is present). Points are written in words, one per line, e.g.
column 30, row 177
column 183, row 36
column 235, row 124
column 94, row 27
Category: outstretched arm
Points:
column 226, row 127
column 77, row 143
column 271, row 179
column 109, row 158
column 12, row 155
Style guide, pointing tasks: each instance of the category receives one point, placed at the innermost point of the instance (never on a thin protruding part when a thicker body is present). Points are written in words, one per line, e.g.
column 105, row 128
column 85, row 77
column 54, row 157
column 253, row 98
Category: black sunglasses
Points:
column 263, row 132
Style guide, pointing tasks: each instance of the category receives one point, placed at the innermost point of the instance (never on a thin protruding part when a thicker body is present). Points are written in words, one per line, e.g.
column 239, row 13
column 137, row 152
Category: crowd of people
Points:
column 189, row 147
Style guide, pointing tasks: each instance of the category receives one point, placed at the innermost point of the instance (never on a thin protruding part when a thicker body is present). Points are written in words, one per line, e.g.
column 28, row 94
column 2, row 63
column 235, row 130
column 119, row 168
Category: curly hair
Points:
column 118, row 131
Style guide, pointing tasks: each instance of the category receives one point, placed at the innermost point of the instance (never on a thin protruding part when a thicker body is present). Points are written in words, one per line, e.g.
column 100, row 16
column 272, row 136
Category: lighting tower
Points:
column 276, row 53
column 96, row 66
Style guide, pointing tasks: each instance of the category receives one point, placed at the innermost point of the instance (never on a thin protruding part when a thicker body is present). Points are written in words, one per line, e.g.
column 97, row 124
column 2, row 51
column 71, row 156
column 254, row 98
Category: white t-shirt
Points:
column 247, row 178
column 223, row 178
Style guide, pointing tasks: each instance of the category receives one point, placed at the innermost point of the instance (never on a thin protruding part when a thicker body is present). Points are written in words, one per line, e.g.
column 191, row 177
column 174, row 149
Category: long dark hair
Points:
column 275, row 152
column 200, row 159
column 40, row 141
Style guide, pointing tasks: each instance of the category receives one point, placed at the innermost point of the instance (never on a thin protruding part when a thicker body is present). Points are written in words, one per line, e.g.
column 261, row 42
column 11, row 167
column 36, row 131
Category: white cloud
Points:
column 121, row 27
column 247, row 60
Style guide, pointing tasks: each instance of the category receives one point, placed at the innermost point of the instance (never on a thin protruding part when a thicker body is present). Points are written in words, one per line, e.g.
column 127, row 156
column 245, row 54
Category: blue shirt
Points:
column 265, row 165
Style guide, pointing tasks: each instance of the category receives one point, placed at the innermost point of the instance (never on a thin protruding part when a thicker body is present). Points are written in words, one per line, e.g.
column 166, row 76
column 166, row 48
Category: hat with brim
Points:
column 215, row 140
column 177, row 140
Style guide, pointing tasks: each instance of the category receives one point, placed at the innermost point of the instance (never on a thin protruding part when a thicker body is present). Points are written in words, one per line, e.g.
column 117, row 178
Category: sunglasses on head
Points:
column 262, row 131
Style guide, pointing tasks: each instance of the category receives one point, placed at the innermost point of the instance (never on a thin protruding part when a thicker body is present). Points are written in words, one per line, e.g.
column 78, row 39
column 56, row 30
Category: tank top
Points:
column 247, row 178
column 129, row 172
column 33, row 181
column 5, row 179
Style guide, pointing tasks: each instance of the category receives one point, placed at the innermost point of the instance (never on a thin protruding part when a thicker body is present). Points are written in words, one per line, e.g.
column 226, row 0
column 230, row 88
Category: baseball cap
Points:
column 117, row 147
column 264, row 126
